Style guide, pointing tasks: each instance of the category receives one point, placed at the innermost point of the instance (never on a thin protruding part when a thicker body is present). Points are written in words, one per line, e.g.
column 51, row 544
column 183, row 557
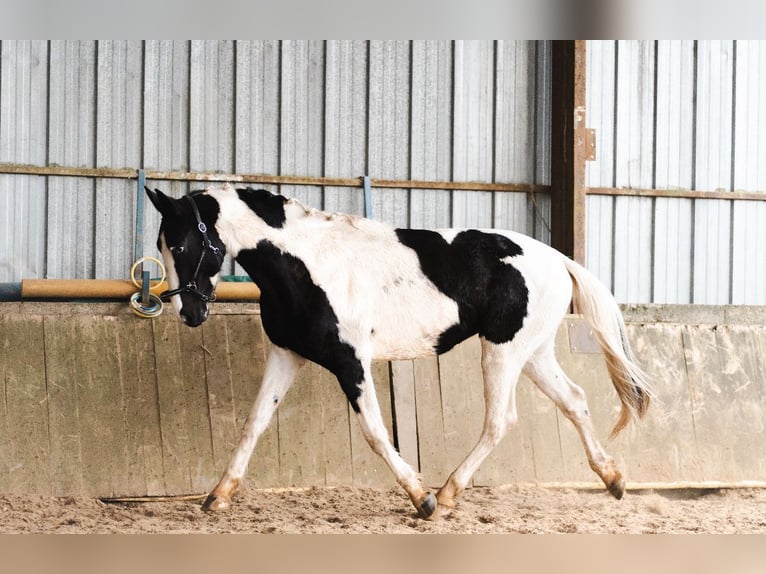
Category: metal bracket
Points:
column 588, row 143
column 145, row 288
column 367, row 196
column 581, row 338
column 139, row 239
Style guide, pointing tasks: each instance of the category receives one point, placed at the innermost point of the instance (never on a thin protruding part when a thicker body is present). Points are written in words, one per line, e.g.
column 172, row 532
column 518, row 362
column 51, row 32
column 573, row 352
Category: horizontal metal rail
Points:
column 677, row 193
column 132, row 174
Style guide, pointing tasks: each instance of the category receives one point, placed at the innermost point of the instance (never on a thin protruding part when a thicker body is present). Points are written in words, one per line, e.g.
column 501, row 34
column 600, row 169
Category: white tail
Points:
column 591, row 298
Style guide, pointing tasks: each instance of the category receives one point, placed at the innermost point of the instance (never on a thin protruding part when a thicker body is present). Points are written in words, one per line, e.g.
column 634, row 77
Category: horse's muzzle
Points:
column 195, row 316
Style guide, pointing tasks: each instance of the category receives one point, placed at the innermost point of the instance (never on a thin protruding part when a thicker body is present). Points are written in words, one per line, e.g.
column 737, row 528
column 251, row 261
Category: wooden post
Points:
column 571, row 144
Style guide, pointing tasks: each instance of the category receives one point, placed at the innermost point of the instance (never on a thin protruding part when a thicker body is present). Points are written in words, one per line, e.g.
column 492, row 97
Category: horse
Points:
column 342, row 290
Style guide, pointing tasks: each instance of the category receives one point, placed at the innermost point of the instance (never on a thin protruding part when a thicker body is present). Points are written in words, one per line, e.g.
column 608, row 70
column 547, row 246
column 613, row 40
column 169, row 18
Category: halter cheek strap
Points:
column 207, row 245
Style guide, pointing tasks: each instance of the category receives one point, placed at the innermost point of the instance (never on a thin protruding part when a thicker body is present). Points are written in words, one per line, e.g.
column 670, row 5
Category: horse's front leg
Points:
column 282, row 366
column 374, row 430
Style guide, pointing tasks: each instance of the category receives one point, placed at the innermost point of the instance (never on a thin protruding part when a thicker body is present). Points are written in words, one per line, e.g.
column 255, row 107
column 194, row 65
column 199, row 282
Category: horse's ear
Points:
column 162, row 202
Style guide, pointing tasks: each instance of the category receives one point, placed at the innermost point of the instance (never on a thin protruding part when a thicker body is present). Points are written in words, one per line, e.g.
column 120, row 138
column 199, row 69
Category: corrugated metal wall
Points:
column 667, row 115
column 419, row 110
column 678, row 115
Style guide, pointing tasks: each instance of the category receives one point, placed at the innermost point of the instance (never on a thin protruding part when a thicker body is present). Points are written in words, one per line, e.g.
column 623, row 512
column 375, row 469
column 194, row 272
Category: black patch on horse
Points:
column 491, row 295
column 183, row 237
column 297, row 315
column 266, row 205
column 180, row 227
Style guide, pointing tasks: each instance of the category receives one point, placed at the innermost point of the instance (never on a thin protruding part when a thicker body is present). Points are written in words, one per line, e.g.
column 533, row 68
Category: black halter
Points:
column 207, row 245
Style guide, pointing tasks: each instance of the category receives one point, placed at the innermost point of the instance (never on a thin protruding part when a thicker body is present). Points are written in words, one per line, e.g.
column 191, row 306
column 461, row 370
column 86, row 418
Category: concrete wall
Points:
column 99, row 402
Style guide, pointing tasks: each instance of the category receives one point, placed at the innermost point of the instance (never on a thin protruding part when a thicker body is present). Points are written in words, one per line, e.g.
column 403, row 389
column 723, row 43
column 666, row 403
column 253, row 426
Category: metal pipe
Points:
column 10, row 291
column 116, row 289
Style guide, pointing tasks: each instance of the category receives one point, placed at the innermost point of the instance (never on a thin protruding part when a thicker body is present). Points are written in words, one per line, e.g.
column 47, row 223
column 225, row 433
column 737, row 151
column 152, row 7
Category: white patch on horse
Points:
column 172, row 275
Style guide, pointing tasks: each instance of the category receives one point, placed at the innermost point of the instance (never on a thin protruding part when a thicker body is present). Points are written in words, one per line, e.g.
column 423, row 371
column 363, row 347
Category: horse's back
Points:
column 494, row 283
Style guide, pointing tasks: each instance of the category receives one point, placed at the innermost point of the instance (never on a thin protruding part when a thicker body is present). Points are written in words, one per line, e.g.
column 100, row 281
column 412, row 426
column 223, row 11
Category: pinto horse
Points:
column 342, row 290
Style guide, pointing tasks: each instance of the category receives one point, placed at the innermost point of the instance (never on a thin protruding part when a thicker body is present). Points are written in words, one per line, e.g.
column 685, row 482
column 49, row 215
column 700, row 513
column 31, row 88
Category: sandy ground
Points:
column 356, row 510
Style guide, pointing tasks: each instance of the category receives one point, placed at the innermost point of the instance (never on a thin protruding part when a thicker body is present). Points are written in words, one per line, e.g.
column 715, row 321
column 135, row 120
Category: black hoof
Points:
column 215, row 503
column 208, row 501
column 617, row 488
column 428, row 506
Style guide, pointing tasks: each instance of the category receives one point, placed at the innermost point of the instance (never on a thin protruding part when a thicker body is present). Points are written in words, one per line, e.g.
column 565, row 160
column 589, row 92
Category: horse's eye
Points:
column 179, row 249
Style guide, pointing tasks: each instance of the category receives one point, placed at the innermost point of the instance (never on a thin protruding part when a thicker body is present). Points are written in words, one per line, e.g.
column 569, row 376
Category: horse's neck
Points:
column 240, row 229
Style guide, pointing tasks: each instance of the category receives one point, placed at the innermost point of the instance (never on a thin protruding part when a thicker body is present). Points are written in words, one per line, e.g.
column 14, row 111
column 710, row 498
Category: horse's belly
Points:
column 402, row 331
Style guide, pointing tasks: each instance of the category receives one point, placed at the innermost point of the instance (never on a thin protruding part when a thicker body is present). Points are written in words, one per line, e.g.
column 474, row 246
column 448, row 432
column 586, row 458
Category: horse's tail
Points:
column 591, row 298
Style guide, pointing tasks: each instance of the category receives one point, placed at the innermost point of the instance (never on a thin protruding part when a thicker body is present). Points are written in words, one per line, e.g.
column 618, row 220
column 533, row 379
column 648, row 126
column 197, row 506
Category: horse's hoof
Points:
column 216, row 503
column 427, row 507
column 617, row 487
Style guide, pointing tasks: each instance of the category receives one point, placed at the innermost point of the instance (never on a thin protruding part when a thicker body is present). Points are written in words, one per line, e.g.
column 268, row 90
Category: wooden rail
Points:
column 109, row 173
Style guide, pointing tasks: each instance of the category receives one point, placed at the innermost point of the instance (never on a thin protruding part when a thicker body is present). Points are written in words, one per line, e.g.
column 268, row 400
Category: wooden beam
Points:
column 261, row 179
column 569, row 148
column 678, row 193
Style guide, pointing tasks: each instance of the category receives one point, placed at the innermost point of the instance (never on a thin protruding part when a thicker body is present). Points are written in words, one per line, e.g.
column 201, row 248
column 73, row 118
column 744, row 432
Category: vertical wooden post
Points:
column 570, row 145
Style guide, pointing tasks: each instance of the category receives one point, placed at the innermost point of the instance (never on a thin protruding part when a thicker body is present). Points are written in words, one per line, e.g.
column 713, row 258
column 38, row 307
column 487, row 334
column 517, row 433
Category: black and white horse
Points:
column 341, row 291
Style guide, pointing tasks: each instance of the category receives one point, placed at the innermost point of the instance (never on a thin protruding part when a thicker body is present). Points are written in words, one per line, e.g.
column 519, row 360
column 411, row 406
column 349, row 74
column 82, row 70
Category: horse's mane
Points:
column 335, row 217
column 354, row 221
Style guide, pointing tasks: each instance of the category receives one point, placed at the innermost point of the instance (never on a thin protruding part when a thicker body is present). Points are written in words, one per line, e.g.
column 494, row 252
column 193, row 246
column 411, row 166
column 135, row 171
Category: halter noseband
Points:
column 207, row 245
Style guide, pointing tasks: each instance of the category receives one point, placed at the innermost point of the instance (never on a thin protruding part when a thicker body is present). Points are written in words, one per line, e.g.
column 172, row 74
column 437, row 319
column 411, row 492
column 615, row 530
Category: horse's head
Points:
column 192, row 251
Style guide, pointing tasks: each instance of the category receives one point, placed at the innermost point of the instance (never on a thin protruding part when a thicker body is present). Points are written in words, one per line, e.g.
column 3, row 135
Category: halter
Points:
column 207, row 245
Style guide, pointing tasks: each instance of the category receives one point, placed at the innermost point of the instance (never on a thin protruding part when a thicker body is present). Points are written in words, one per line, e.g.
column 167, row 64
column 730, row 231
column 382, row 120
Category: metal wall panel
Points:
column 676, row 115
column 410, row 110
column 633, row 216
column 749, row 220
column 666, row 114
column 23, row 74
column 71, row 141
column 301, row 116
column 514, row 132
column 713, row 170
column 473, row 138
column 712, row 248
column 118, row 143
column 257, row 114
column 748, row 248
column 522, row 134
column 165, row 122
column 166, row 105
column 750, row 116
column 388, row 129
column 675, row 93
column 431, row 139
column 257, row 107
column 673, row 170
column 211, row 110
column 599, row 104
column 714, row 121
column 211, row 106
column 345, row 124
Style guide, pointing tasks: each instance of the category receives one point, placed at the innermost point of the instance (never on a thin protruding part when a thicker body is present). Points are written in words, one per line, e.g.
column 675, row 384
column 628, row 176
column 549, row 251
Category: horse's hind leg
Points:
column 547, row 374
column 501, row 365
column 281, row 367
